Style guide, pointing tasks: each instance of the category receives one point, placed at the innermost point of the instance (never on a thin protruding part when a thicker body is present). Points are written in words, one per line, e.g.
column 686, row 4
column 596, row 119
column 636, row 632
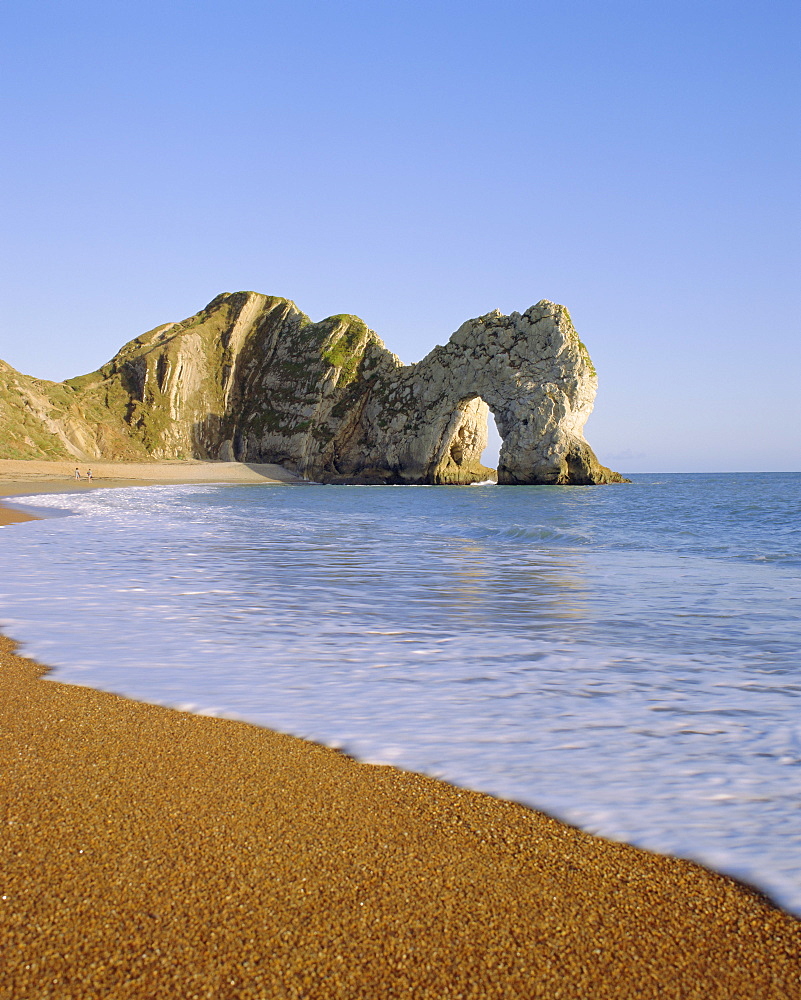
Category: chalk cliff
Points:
column 251, row 378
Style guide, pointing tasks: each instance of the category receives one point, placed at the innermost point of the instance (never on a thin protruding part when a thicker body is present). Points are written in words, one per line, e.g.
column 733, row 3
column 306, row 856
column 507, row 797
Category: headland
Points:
column 251, row 378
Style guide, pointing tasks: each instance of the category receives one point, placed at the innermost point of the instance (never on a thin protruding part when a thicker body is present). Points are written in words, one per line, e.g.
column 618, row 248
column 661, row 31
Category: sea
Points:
column 626, row 658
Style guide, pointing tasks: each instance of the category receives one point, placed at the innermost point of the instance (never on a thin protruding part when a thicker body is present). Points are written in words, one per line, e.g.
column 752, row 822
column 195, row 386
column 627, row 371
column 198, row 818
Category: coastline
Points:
column 10, row 516
column 22, row 477
column 152, row 853
column 18, row 476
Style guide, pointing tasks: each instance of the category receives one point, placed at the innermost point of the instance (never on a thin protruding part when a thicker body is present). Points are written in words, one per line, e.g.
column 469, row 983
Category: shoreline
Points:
column 22, row 477
column 8, row 515
column 19, row 476
column 154, row 853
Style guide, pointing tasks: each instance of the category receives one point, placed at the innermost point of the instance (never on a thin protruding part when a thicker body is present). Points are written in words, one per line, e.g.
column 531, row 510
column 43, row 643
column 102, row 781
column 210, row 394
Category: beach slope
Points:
column 148, row 853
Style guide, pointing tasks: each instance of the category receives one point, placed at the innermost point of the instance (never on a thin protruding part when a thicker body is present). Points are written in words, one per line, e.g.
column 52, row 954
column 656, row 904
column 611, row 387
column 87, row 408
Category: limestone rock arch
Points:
column 427, row 422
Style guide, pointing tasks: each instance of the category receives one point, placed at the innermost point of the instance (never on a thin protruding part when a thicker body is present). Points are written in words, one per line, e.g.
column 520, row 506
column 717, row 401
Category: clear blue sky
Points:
column 420, row 164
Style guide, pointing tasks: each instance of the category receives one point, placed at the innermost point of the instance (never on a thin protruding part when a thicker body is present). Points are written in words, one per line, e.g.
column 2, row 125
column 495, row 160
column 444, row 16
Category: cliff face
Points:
column 40, row 419
column 251, row 378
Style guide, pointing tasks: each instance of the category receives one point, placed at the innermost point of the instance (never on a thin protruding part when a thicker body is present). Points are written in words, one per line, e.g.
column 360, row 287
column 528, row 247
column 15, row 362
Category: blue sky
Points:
column 419, row 165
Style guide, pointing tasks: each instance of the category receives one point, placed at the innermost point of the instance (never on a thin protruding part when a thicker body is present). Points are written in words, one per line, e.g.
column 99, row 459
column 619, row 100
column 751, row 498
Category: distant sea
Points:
column 627, row 658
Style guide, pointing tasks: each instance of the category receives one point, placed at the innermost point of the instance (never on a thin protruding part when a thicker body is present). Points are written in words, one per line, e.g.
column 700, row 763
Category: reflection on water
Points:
column 625, row 657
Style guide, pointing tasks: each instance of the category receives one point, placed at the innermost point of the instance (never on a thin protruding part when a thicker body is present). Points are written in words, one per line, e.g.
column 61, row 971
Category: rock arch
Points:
column 423, row 423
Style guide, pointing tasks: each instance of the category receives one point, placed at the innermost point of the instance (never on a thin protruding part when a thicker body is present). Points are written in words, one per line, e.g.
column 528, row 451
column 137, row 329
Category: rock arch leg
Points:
column 458, row 460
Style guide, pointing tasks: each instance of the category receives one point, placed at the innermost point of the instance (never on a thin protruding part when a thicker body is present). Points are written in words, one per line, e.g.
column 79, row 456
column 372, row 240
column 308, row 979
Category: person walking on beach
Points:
column 77, row 473
column 89, row 475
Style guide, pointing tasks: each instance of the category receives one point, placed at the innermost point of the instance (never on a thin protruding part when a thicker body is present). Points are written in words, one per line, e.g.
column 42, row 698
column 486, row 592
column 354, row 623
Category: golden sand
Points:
column 148, row 854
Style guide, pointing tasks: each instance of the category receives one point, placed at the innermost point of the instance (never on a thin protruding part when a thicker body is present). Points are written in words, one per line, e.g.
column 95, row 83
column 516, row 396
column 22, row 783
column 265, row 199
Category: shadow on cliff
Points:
column 213, row 440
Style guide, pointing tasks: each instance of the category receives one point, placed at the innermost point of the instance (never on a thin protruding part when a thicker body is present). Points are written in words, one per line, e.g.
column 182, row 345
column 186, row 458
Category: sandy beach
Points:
column 150, row 853
column 20, row 477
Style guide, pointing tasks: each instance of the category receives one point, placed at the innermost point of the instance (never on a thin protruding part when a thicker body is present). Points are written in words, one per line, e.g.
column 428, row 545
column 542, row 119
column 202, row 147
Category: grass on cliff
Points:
column 346, row 351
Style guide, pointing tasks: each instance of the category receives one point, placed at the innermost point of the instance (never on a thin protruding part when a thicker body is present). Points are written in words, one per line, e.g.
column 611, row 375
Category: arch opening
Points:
column 463, row 444
column 491, row 454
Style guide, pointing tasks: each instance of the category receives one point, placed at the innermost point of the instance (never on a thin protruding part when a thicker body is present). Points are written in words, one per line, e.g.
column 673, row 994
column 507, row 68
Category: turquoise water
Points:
column 624, row 657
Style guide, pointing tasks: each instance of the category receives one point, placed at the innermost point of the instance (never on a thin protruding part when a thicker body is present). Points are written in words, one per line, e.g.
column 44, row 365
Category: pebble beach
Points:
column 149, row 852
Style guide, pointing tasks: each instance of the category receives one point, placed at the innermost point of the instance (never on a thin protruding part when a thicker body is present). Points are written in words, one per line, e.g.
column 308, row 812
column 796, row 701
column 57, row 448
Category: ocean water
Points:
column 627, row 658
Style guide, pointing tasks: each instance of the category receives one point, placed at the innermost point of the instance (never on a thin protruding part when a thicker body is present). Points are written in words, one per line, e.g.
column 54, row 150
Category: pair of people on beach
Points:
column 88, row 474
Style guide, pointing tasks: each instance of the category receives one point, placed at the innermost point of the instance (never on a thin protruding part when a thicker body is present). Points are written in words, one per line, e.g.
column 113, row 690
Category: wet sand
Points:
column 148, row 853
column 8, row 516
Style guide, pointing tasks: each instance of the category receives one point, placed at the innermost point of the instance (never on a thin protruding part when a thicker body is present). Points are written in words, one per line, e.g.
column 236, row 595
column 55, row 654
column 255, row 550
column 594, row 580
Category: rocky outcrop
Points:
column 427, row 422
column 251, row 378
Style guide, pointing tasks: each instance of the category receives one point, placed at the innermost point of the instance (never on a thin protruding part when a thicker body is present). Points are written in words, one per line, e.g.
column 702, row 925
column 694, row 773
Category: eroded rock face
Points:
column 251, row 378
column 534, row 374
